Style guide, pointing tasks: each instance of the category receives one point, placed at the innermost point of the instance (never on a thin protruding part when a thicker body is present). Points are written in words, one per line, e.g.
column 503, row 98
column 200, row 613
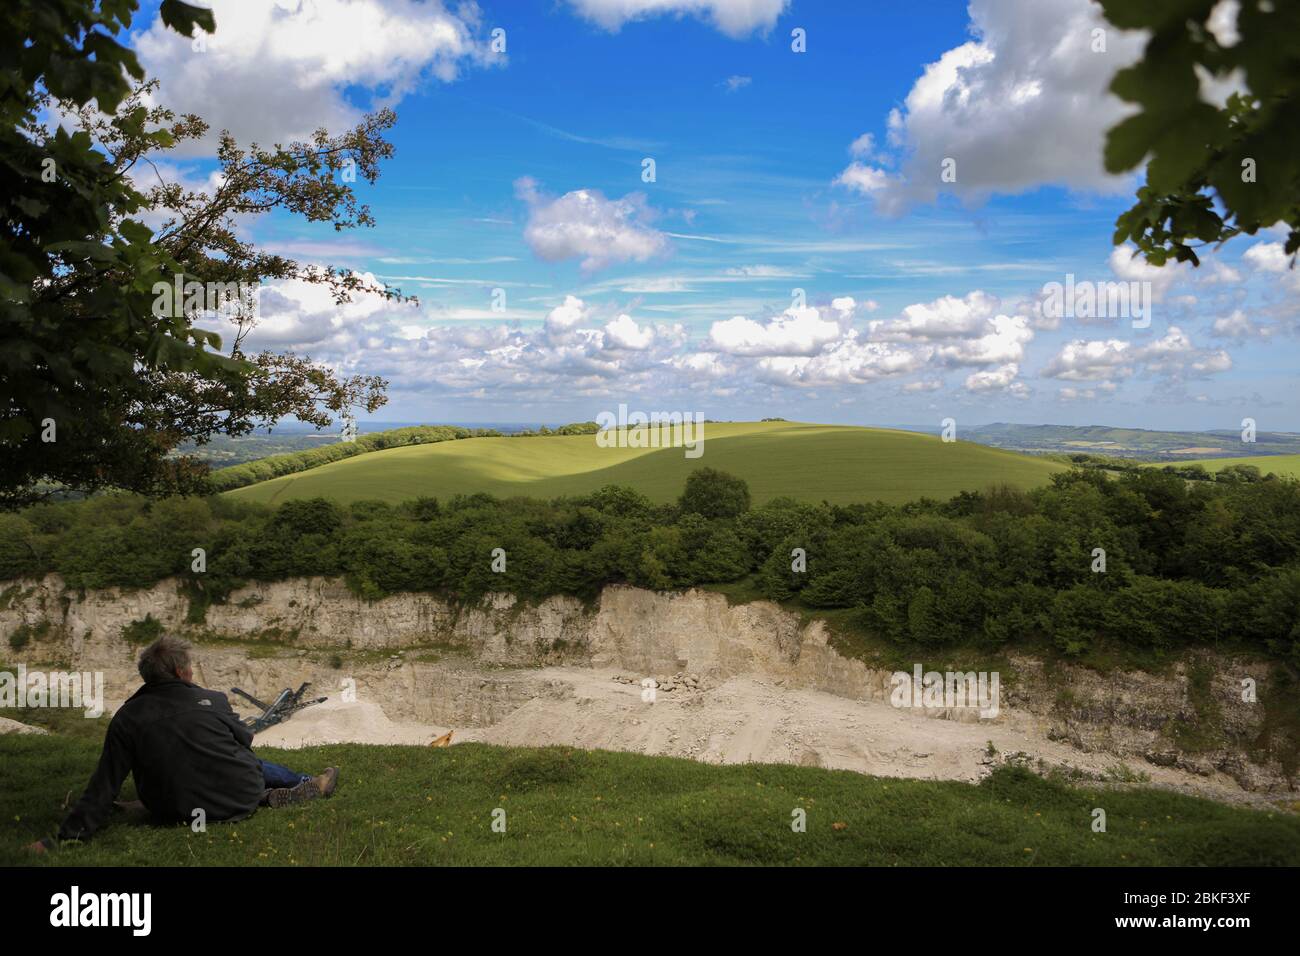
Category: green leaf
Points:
column 1129, row 143
column 184, row 17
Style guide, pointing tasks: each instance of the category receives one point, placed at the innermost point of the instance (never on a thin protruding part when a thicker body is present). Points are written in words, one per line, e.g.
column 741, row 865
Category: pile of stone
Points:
column 678, row 681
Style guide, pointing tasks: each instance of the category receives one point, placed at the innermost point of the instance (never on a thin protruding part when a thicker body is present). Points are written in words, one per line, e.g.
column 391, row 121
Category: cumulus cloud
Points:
column 584, row 225
column 565, row 317
column 570, row 351
column 1023, row 104
column 793, row 332
column 1082, row 361
column 735, row 18
column 1130, row 267
column 276, row 70
column 1238, row 326
column 945, row 317
column 849, row 361
column 624, row 333
column 1267, row 257
column 304, row 316
column 1004, row 343
column 573, row 347
column 812, row 347
column 1218, row 273
column 964, row 331
column 1172, row 356
column 1001, row 379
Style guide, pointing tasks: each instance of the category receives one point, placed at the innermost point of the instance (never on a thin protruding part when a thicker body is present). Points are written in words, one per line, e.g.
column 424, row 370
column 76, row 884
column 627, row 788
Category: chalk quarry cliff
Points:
column 736, row 682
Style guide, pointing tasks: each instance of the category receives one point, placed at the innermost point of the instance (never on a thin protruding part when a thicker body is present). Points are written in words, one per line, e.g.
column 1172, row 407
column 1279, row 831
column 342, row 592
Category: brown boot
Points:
column 288, row 796
column 327, row 781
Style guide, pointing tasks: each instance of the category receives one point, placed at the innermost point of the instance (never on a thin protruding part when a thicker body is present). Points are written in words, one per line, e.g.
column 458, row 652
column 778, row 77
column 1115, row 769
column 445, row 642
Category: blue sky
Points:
column 518, row 179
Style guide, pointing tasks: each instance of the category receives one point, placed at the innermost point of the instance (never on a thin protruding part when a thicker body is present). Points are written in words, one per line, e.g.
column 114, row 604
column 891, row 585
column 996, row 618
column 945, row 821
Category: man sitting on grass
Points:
column 187, row 751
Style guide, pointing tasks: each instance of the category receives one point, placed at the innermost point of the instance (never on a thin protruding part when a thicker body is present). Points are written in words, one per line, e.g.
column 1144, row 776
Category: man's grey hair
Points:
column 163, row 658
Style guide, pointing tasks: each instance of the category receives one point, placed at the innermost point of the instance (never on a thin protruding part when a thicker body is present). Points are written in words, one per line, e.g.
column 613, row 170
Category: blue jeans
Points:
column 274, row 776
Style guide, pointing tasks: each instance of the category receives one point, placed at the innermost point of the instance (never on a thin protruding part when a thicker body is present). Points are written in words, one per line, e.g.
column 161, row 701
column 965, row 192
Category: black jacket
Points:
column 187, row 751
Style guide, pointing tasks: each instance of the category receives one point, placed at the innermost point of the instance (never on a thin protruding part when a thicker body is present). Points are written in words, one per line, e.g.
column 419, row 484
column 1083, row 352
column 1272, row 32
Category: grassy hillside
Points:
column 1284, row 466
column 419, row 806
column 840, row 464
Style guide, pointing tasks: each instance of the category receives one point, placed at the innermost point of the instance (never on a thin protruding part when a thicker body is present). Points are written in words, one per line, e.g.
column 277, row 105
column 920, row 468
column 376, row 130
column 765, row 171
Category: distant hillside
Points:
column 1137, row 443
column 839, row 464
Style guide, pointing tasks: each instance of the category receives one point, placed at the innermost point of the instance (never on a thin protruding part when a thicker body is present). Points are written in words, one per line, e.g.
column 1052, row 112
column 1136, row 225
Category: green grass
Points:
column 840, row 464
column 1284, row 466
column 417, row 805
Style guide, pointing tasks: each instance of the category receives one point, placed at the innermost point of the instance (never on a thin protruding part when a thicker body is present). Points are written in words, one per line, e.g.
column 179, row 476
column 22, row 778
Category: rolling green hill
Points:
column 1284, row 466
column 840, row 464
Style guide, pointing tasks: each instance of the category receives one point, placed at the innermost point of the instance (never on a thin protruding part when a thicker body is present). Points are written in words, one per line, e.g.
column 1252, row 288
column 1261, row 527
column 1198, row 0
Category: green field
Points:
column 1284, row 466
column 414, row 806
column 839, row 464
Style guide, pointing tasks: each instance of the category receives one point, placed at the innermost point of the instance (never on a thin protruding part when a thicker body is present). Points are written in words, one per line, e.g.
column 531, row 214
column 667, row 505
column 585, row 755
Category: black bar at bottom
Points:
column 942, row 905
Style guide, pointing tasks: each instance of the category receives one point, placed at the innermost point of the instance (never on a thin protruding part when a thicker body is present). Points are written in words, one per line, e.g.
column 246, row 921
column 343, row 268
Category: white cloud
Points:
column 864, row 147
column 1239, row 326
column 1004, row 343
column 1218, row 273
column 993, row 380
column 584, row 224
column 848, row 361
column 1024, row 104
column 1176, row 356
column 793, row 332
column 565, row 317
column 1082, row 361
column 624, row 333
column 304, row 316
column 276, row 70
column 945, row 317
column 1133, row 268
column 1172, row 356
column 734, row 83
column 1267, row 257
column 735, row 18
column 863, row 178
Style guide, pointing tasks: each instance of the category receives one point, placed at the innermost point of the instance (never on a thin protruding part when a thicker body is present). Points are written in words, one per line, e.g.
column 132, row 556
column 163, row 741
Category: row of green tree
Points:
column 1189, row 471
column 1145, row 559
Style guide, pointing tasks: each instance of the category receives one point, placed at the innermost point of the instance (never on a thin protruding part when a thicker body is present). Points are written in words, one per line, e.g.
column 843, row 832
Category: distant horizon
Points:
column 376, row 424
